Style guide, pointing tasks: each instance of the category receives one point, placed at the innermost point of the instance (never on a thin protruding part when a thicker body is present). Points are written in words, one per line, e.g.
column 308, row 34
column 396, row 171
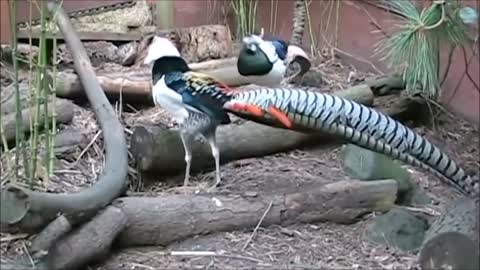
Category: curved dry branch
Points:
column 30, row 210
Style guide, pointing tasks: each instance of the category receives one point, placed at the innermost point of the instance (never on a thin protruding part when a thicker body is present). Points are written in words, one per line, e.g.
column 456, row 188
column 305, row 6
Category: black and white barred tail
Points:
column 313, row 111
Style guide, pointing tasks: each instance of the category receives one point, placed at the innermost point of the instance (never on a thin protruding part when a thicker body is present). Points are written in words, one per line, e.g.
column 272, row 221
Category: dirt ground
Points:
column 302, row 246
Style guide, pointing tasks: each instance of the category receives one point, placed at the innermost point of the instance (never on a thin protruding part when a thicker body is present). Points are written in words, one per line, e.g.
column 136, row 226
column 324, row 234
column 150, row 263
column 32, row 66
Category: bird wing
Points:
column 201, row 93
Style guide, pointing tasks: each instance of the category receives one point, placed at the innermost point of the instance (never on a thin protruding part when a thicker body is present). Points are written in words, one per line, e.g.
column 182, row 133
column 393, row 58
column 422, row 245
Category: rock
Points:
column 398, row 228
column 419, row 197
column 367, row 165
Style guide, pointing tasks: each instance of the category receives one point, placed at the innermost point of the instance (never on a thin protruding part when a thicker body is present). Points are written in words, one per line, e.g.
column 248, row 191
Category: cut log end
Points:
column 450, row 250
column 452, row 240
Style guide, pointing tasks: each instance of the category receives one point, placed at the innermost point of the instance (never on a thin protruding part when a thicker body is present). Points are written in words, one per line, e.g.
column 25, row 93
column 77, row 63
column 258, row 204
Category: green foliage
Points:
column 246, row 13
column 415, row 47
column 41, row 94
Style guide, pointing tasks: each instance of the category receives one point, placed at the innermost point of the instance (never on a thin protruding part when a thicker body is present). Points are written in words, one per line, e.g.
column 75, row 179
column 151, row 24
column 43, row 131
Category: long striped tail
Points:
column 308, row 111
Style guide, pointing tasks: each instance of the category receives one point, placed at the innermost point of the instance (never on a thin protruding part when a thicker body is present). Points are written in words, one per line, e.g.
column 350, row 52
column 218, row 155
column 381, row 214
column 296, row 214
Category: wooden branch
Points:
column 63, row 110
column 386, row 85
column 40, row 208
column 160, row 150
column 90, row 242
column 452, row 240
column 54, row 231
column 68, row 140
column 134, row 83
column 163, row 219
column 224, row 70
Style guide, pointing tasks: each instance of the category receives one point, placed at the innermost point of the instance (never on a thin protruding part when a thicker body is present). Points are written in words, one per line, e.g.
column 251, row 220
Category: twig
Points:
column 258, row 225
column 14, row 237
column 467, row 65
column 427, row 211
column 87, row 147
column 449, row 63
column 28, row 254
column 208, row 253
column 372, row 19
column 459, row 82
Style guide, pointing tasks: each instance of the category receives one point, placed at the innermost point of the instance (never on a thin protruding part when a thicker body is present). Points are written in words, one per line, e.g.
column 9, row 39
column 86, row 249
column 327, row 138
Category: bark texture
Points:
column 163, row 219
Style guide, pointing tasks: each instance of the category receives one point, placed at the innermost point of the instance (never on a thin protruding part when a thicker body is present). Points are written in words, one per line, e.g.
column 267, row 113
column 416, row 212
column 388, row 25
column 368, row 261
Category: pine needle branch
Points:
column 415, row 47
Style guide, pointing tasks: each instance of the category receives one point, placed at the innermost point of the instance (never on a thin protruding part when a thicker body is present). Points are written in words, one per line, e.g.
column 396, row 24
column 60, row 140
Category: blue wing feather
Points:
column 201, row 95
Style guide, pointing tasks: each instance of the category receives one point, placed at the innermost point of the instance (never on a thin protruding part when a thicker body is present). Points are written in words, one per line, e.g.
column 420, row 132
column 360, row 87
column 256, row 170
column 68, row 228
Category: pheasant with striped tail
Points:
column 308, row 111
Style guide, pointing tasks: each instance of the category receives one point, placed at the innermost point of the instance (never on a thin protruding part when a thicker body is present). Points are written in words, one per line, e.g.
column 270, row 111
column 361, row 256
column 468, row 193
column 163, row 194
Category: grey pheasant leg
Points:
column 188, row 156
column 216, row 155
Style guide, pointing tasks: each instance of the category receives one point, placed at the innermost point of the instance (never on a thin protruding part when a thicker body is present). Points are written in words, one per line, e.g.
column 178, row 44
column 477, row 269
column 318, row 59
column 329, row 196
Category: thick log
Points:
column 452, row 240
column 386, row 85
column 134, row 83
column 64, row 111
column 114, row 81
column 34, row 209
column 91, row 242
column 224, row 70
column 163, row 219
column 160, row 150
column 67, row 141
column 53, row 232
column 8, row 97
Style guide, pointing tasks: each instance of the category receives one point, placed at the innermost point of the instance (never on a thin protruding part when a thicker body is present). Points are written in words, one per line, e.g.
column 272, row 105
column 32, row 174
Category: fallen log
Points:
column 134, row 83
column 140, row 221
column 452, row 240
column 163, row 219
column 91, row 242
column 67, row 141
column 224, row 70
column 52, row 232
column 157, row 149
column 64, row 111
column 8, row 98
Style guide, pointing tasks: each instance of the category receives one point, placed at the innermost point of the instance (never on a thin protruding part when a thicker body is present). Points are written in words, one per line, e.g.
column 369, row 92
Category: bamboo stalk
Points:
column 45, row 96
column 53, row 130
column 38, row 90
